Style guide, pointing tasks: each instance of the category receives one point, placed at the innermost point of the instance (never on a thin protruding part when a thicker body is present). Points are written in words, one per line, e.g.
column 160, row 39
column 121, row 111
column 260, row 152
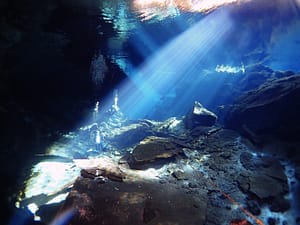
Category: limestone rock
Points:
column 153, row 149
column 272, row 110
column 264, row 186
column 266, row 181
column 199, row 116
column 101, row 167
column 121, row 203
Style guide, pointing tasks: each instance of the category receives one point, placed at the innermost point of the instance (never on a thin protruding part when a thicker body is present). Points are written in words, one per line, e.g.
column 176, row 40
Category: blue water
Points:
column 171, row 62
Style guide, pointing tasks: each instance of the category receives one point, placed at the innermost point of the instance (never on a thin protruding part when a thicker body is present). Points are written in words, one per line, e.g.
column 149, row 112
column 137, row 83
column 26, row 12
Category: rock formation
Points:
column 270, row 111
column 199, row 116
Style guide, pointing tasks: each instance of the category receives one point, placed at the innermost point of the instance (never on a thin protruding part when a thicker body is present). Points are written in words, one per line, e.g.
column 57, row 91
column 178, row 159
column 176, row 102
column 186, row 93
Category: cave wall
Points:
column 46, row 48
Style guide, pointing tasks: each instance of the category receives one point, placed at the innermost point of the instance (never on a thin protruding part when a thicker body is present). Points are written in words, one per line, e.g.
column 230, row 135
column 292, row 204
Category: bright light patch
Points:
column 174, row 124
column 164, row 8
column 58, row 198
column 204, row 6
column 159, row 9
column 151, row 173
column 230, row 69
column 204, row 158
column 33, row 208
column 50, row 177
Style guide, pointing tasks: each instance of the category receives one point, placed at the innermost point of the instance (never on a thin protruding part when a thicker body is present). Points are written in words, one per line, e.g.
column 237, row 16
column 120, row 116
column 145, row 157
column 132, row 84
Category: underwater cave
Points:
column 150, row 112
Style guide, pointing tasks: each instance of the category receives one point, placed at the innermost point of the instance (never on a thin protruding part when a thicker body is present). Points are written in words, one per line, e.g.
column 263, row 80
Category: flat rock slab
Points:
column 100, row 168
column 263, row 186
column 266, row 176
column 153, row 149
column 138, row 203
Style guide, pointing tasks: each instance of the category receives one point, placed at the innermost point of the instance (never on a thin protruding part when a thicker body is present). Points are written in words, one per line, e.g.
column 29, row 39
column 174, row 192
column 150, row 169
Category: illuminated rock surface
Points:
column 151, row 150
column 199, row 116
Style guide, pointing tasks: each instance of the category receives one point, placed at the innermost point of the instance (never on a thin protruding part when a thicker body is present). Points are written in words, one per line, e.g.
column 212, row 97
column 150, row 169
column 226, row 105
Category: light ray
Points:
column 176, row 62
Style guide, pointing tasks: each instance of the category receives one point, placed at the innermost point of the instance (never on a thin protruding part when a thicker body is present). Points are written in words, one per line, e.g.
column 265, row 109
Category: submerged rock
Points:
column 265, row 181
column 270, row 111
column 152, row 150
column 199, row 116
column 100, row 169
column 115, row 203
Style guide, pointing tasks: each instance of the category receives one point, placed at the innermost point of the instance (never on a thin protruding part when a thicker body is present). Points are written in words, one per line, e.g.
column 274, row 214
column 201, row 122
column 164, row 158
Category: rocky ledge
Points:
column 268, row 112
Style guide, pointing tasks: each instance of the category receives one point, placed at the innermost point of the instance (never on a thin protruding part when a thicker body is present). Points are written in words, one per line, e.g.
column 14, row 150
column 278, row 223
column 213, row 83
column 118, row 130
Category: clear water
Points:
column 163, row 47
column 173, row 55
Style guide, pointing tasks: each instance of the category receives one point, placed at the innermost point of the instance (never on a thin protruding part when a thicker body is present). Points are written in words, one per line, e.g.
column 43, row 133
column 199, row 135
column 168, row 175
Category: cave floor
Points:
column 204, row 178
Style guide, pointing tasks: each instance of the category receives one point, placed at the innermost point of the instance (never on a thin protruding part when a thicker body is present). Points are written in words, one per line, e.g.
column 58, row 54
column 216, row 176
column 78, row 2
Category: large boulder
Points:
column 199, row 116
column 124, row 203
column 268, row 112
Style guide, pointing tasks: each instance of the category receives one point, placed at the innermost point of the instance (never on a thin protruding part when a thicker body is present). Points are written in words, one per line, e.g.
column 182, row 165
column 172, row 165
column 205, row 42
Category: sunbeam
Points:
column 174, row 63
